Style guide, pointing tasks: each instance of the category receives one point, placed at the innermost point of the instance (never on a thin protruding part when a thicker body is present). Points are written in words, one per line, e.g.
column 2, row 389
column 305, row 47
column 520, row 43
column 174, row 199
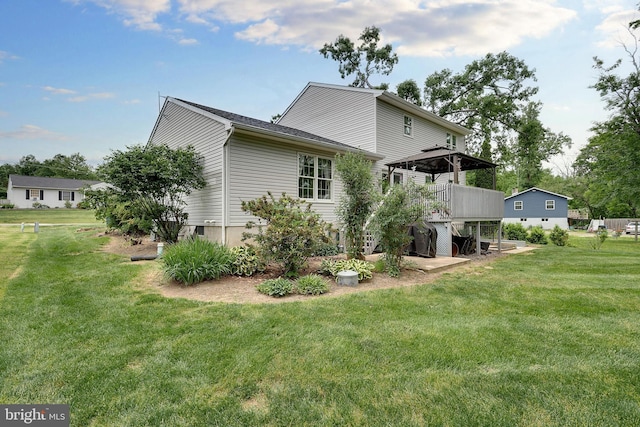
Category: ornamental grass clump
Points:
column 195, row 260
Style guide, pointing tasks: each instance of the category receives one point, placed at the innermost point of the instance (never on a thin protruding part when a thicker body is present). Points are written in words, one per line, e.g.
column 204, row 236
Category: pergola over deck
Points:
column 451, row 202
column 439, row 160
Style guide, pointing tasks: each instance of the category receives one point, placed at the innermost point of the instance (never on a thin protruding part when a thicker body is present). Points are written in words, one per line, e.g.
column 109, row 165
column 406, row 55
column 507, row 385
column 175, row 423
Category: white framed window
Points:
column 315, row 177
column 550, row 205
column 452, row 142
column 408, row 126
column 518, row 205
column 66, row 195
column 35, row 194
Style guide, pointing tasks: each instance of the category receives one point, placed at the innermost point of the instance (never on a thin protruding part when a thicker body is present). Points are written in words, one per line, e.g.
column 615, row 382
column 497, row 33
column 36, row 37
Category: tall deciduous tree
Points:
column 613, row 153
column 608, row 160
column 535, row 144
column 487, row 97
column 410, row 91
column 156, row 178
column 364, row 60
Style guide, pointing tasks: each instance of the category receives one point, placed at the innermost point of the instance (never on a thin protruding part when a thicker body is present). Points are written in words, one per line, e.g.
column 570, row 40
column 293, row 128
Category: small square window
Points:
column 408, row 126
column 518, row 205
column 550, row 205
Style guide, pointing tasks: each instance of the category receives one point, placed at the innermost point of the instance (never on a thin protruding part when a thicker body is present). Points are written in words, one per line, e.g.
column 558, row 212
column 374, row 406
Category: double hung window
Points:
column 408, row 126
column 452, row 142
column 315, row 177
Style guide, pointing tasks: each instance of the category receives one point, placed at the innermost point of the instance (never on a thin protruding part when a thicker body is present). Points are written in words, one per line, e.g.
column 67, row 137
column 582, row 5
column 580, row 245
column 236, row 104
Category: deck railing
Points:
column 453, row 202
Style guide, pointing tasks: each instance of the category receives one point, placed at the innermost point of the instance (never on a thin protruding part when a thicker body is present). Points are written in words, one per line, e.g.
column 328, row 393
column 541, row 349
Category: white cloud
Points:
column 59, row 91
column 614, row 29
column 91, row 96
column 132, row 102
column 28, row 132
column 187, row 42
column 141, row 14
column 415, row 27
column 4, row 56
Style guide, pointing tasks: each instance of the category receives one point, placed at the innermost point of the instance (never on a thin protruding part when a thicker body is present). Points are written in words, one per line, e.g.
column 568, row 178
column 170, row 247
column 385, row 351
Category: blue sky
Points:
column 84, row 75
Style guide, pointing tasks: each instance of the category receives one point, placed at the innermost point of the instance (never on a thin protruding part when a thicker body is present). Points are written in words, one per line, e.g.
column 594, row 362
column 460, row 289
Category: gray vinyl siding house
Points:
column 245, row 158
column 373, row 120
column 24, row 191
column 536, row 206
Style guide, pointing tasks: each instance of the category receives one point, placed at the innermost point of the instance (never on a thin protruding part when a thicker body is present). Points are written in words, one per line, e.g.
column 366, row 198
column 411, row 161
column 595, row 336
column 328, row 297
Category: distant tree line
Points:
column 74, row 166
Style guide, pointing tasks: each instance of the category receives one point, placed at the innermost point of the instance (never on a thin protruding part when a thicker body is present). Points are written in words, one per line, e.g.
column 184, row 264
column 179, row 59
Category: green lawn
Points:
column 544, row 338
column 49, row 216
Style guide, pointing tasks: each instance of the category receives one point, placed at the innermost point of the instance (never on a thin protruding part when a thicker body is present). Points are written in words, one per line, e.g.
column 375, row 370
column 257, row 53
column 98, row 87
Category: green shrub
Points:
column 333, row 267
column 293, row 233
column 598, row 239
column 558, row 236
column 311, row 284
column 125, row 216
column 279, row 287
column 537, row 236
column 514, row 231
column 245, row 261
column 195, row 260
column 327, row 249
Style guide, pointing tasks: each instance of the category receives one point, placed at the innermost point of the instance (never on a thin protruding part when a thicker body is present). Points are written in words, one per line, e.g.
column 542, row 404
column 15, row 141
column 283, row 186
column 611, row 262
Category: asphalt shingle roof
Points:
column 261, row 124
column 49, row 183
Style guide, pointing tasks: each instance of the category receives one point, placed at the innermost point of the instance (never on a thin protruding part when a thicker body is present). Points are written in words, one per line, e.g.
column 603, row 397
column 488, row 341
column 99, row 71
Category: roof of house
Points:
column 533, row 189
column 266, row 127
column 393, row 99
column 42, row 182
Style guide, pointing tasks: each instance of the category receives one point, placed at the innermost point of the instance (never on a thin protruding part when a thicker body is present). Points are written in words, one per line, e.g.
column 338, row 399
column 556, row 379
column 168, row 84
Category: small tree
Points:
column 293, row 232
column 558, row 236
column 156, row 178
column 398, row 210
column 359, row 198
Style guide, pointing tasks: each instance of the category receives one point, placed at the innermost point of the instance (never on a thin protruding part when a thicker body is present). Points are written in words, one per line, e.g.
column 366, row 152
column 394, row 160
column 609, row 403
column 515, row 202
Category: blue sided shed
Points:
column 536, row 206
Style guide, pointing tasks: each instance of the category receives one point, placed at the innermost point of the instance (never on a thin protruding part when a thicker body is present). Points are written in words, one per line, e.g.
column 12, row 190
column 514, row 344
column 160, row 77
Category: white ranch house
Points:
column 24, row 191
column 245, row 157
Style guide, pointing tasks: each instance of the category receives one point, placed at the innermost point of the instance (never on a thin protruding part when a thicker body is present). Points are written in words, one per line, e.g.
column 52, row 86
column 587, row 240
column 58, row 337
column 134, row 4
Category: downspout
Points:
column 225, row 181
